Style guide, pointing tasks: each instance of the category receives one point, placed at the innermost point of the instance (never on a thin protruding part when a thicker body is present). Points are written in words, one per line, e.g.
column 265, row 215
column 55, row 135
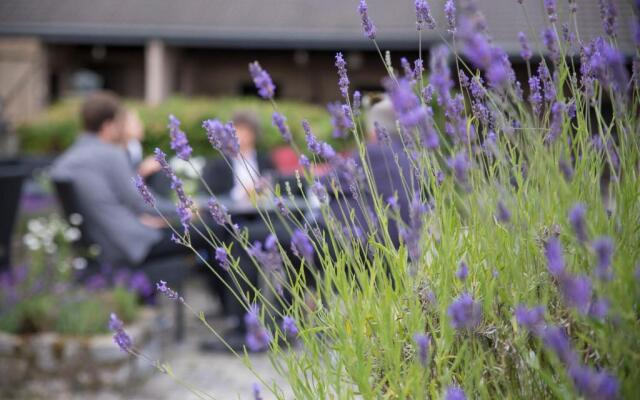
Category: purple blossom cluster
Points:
column 465, row 312
column 258, row 336
column 340, row 119
column 423, row 15
column 367, row 25
column 222, row 137
column 301, row 245
column 179, row 142
column 262, row 80
column 280, row 122
column 269, row 258
column 120, row 336
column 144, row 190
column 422, row 341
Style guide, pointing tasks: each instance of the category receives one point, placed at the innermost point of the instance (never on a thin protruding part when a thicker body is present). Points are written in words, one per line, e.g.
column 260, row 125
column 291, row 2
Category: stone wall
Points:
column 36, row 365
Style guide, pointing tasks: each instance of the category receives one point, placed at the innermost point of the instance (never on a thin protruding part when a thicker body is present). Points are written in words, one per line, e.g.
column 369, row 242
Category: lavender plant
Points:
column 537, row 192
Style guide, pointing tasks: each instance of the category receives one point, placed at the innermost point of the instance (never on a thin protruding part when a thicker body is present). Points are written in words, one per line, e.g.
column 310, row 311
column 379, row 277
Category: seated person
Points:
column 128, row 231
column 247, row 170
column 148, row 168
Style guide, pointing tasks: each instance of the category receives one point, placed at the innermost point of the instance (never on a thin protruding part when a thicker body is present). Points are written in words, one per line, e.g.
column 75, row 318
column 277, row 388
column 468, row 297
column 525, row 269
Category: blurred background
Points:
column 189, row 58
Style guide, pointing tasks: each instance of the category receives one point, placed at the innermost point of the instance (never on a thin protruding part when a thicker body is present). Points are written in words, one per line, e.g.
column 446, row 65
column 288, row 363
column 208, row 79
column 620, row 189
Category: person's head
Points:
column 131, row 126
column 382, row 113
column 99, row 115
column 248, row 129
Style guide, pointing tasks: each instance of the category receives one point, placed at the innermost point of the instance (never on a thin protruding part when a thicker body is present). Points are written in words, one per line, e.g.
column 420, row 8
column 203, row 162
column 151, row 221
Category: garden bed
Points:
column 39, row 363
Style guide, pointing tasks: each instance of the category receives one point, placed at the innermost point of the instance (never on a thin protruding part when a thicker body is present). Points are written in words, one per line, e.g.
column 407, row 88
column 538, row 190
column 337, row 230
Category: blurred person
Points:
column 127, row 230
column 248, row 170
column 132, row 129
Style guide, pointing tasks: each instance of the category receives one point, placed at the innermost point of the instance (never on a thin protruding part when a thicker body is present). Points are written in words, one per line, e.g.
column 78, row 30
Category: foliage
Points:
column 56, row 129
column 42, row 295
column 517, row 272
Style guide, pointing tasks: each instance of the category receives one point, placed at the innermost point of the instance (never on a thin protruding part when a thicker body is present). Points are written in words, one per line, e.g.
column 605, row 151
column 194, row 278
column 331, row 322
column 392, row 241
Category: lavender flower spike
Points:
column 257, row 395
column 531, row 318
column 367, row 25
column 258, row 337
column 463, row 271
column 577, row 221
column 422, row 343
column 144, row 190
column 120, row 337
column 450, row 13
column 179, row 142
column 301, row 245
column 603, row 247
column 555, row 259
column 262, row 80
column 423, row 15
column 289, row 327
column 167, row 291
column 222, row 137
column 219, row 212
column 465, row 313
column 455, row 393
column 525, row 49
column 222, row 258
column 550, row 7
column 280, row 122
column 343, row 81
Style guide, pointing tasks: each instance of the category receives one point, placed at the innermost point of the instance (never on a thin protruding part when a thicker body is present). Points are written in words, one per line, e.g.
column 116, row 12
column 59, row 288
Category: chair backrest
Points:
column 72, row 211
column 11, row 178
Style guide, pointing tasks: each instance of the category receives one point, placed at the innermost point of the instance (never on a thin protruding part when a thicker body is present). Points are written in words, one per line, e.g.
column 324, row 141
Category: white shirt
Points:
column 246, row 174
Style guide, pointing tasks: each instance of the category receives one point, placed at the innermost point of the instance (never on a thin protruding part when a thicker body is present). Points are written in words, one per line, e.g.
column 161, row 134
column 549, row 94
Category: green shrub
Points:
column 56, row 129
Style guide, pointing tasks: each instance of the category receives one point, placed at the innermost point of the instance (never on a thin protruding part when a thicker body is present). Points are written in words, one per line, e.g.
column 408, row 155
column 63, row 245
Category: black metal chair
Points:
column 169, row 269
column 11, row 179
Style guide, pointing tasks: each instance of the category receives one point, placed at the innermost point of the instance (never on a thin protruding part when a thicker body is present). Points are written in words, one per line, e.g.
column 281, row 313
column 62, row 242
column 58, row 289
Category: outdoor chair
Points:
column 169, row 269
column 11, row 179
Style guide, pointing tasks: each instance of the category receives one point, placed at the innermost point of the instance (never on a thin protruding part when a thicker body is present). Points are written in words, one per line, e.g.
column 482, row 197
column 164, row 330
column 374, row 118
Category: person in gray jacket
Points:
column 117, row 219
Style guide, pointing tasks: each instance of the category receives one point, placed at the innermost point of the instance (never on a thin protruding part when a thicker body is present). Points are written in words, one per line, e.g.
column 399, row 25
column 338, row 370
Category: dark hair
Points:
column 249, row 119
column 98, row 108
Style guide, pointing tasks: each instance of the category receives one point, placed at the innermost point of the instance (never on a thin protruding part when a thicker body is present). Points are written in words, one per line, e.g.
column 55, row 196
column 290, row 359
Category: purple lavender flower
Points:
column 268, row 257
column 184, row 213
column 550, row 7
column 464, row 312
column 320, row 192
column 423, row 15
column 455, row 393
column 166, row 290
column 609, row 16
column 382, row 134
column 422, row 343
column 316, row 146
column 535, row 94
column 594, row 384
column 219, row 212
column 555, row 340
column 120, row 337
column 256, row 392
column 257, row 337
column 304, row 161
column 576, row 291
column 460, row 165
column 547, row 82
column 463, row 271
column 343, row 82
column 144, row 190
column 603, row 247
column 357, row 102
column 525, row 49
column 222, row 258
column 502, row 213
column 427, row 94
column 450, row 13
column 566, row 169
column 280, row 122
column 340, row 119
column 289, row 327
column 555, row 258
column 301, row 245
column 179, row 142
column 367, row 25
column 262, row 80
column 599, row 309
column 557, row 118
column 222, row 137
column 139, row 283
column 577, row 221
column 531, row 318
column 550, row 39
column 573, row 6
column 440, row 78
column 408, row 71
